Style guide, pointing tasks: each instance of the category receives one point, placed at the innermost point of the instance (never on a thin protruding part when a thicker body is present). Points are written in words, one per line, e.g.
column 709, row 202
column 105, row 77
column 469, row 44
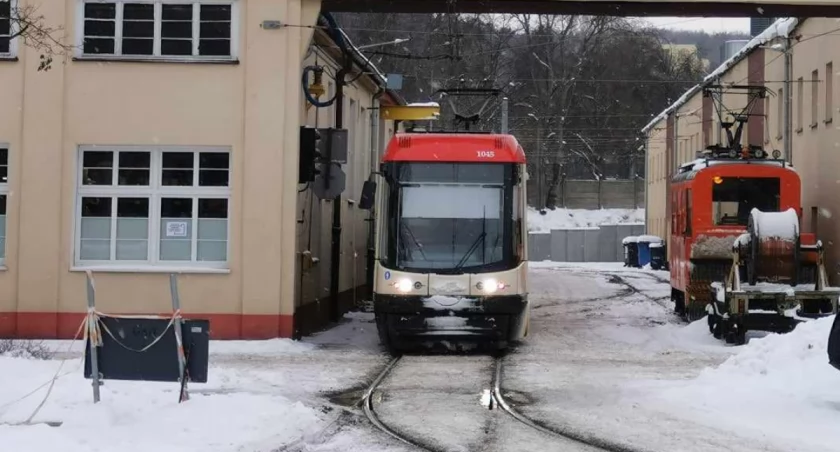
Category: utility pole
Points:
column 788, row 136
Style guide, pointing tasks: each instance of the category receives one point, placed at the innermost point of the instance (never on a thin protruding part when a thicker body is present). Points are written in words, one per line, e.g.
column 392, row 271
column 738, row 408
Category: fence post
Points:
column 92, row 338
column 182, row 361
column 563, row 187
column 600, row 201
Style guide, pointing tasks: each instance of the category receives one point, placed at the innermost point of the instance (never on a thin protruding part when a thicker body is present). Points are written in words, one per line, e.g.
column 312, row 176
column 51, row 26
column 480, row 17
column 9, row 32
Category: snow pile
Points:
column 702, row 163
column 713, row 247
column 649, row 239
column 581, row 218
column 424, row 104
column 781, row 383
column 238, row 409
column 778, row 225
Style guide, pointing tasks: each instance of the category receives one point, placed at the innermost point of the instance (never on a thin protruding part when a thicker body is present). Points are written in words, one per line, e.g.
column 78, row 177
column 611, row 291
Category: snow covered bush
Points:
column 24, row 349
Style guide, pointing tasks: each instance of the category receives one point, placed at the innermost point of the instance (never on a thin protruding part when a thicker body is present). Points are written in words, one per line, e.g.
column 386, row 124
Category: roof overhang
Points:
column 686, row 8
column 410, row 112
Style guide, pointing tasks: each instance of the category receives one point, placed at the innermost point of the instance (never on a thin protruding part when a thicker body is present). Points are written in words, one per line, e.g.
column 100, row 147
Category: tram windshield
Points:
column 734, row 198
column 452, row 217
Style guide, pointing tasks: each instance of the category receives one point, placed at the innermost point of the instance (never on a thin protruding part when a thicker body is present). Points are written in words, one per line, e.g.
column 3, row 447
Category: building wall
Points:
column 816, row 142
column 368, row 136
column 248, row 107
column 815, row 138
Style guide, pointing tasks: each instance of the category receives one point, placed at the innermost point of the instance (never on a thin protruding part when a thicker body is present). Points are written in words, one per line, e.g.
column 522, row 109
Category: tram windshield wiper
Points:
column 470, row 251
column 413, row 244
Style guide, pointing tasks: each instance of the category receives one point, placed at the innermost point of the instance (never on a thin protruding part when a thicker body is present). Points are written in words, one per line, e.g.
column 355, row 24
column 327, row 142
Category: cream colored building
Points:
column 168, row 142
column 815, row 136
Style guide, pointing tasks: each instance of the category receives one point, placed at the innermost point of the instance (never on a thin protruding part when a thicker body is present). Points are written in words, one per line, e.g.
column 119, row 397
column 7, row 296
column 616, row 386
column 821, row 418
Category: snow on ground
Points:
column 229, row 413
column 778, row 386
column 261, row 395
column 605, row 354
column 581, row 218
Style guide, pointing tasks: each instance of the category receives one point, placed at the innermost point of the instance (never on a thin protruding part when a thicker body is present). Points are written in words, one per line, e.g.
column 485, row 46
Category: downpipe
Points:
column 335, row 251
column 370, row 257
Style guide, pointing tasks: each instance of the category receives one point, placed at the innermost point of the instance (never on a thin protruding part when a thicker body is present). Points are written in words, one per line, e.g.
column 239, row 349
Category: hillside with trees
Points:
column 580, row 88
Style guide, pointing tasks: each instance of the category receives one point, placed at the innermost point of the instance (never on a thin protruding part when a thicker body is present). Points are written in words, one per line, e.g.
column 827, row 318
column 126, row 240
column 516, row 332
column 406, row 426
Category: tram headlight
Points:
column 404, row 285
column 490, row 285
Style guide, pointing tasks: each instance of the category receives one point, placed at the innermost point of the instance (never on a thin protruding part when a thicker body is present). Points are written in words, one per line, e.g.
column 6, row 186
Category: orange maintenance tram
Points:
column 711, row 201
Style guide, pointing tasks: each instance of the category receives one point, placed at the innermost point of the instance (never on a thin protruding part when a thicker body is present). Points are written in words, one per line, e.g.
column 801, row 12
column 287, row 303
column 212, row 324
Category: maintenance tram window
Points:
column 734, row 197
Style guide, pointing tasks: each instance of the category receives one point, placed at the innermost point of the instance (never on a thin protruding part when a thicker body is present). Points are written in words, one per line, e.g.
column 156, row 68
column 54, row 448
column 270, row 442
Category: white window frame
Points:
column 234, row 32
column 4, row 191
column 13, row 28
column 154, row 191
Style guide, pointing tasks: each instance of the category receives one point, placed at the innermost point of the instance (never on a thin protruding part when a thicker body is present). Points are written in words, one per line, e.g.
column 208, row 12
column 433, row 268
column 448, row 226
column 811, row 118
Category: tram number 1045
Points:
column 486, row 154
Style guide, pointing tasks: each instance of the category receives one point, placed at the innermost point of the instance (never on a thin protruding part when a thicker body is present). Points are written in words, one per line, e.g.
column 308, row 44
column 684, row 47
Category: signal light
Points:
column 310, row 154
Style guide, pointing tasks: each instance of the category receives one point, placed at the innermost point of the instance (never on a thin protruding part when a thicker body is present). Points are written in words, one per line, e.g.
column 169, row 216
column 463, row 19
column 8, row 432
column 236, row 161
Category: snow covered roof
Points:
column 781, row 28
column 697, row 165
column 424, row 104
column 649, row 239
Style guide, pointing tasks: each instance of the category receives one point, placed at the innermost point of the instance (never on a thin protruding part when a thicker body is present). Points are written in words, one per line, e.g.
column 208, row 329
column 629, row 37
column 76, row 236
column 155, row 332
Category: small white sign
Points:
column 176, row 228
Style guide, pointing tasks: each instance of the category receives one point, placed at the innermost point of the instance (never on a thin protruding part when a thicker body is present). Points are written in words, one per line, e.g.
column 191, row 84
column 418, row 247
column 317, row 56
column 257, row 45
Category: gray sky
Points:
column 708, row 24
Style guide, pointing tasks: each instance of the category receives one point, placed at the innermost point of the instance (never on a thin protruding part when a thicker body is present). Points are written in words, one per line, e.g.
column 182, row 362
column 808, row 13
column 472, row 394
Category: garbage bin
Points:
column 631, row 251
column 644, row 242
column 657, row 256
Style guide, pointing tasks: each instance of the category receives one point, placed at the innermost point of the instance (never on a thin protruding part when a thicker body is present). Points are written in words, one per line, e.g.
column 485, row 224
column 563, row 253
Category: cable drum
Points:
column 774, row 246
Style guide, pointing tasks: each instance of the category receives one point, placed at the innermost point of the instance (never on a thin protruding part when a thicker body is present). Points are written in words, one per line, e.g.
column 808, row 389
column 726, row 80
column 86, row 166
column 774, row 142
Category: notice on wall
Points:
column 176, row 228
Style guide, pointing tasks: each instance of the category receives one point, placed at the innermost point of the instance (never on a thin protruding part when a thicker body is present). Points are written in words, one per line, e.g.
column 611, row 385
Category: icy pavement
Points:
column 605, row 356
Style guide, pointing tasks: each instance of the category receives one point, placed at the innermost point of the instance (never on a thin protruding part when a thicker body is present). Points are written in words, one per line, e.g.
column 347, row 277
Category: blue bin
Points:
column 644, row 248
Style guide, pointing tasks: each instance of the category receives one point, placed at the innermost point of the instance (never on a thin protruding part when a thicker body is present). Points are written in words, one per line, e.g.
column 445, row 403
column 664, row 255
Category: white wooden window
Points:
column 158, row 29
column 140, row 206
column 4, row 193
column 8, row 44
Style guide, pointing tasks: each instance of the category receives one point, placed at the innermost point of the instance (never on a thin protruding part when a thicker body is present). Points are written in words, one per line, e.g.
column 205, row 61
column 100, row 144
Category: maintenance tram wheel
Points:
column 734, row 335
column 715, row 326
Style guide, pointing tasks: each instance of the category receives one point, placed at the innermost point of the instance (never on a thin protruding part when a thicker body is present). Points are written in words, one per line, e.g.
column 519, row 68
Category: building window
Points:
column 8, row 29
column 829, row 92
column 800, row 93
column 815, row 95
column 158, row 29
column 153, row 207
column 4, row 192
column 780, row 114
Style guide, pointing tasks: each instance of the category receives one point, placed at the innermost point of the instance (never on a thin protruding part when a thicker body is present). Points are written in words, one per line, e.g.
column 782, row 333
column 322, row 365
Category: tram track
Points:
column 565, row 434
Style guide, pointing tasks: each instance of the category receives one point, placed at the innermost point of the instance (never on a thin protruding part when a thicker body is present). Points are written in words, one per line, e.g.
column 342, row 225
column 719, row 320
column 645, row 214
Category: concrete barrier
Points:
column 601, row 244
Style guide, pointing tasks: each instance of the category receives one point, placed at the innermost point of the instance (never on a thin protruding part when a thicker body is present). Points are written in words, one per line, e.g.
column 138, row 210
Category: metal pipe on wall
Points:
column 788, row 119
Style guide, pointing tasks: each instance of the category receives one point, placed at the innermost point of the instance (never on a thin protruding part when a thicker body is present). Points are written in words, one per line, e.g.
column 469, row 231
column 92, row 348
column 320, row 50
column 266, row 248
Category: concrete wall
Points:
column 591, row 194
column 581, row 245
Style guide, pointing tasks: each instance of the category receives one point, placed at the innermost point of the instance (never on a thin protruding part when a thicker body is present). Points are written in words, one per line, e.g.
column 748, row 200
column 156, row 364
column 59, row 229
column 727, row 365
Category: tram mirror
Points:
column 368, row 195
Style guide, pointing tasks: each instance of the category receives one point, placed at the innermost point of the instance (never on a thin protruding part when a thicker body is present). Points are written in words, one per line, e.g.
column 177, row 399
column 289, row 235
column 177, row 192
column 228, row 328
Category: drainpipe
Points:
column 647, row 174
column 335, row 245
column 676, row 145
column 374, row 153
column 788, row 116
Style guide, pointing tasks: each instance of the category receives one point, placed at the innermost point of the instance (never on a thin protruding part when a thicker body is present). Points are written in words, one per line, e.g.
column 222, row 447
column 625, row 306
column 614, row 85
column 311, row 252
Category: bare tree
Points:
column 27, row 24
column 580, row 87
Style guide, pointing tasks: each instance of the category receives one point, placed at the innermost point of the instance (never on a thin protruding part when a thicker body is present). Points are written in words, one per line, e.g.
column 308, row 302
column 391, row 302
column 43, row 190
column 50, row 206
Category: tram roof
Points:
column 454, row 147
column 689, row 171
